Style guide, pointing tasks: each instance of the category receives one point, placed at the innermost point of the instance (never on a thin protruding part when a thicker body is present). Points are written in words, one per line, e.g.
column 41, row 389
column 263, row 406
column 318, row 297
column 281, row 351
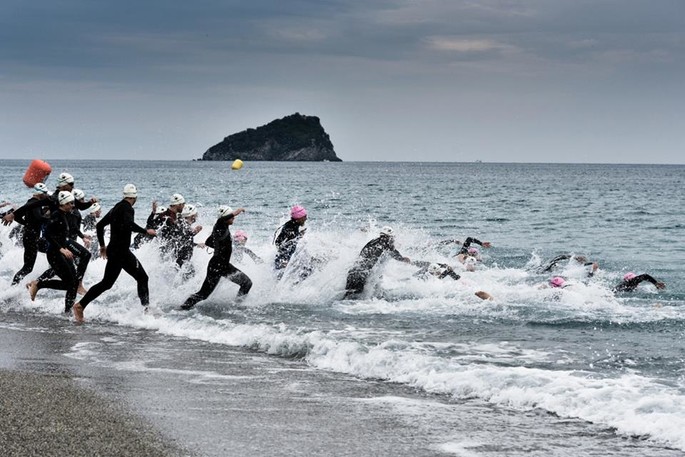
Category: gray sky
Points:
column 429, row 80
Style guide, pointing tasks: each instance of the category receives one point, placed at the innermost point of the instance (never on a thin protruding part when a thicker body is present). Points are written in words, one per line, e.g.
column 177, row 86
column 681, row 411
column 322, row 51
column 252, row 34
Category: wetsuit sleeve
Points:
column 465, row 247
column 395, row 254
column 150, row 223
column 100, row 227
column 36, row 205
column 252, row 255
column 644, row 277
column 81, row 205
column 555, row 261
column 131, row 224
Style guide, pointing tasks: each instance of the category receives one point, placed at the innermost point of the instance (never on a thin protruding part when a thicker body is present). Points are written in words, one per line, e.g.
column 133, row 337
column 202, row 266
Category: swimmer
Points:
column 118, row 254
column 33, row 220
column 239, row 249
column 60, row 256
column 287, row 237
column 220, row 264
column 631, row 281
column 368, row 257
column 582, row 260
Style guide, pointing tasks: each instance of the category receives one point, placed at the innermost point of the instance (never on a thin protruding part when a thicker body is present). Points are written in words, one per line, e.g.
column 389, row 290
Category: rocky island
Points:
column 293, row 138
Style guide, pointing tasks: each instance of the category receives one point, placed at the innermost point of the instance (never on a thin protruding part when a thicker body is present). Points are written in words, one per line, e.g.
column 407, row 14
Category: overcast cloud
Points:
column 439, row 80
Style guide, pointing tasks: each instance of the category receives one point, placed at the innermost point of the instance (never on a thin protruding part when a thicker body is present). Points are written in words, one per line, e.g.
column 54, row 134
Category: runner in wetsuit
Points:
column 170, row 227
column 81, row 254
column 33, row 220
column 220, row 264
column 59, row 254
column 239, row 249
column 631, row 281
column 368, row 257
column 119, row 256
column 186, row 242
column 154, row 220
column 287, row 238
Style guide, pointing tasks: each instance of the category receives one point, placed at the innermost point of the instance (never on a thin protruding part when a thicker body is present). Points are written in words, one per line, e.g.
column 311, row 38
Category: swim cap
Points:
column 40, row 188
column 78, row 194
column 298, row 212
column 628, row 276
column 65, row 197
column 177, row 199
column 557, row 281
column 387, row 231
column 95, row 207
column 225, row 211
column 160, row 209
column 473, row 251
column 130, row 191
column 240, row 235
column 65, row 178
column 188, row 211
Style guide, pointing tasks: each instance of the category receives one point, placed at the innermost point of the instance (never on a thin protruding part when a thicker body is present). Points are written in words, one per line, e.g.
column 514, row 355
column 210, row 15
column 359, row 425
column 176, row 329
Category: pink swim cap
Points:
column 298, row 212
column 473, row 251
column 628, row 276
column 557, row 281
column 240, row 235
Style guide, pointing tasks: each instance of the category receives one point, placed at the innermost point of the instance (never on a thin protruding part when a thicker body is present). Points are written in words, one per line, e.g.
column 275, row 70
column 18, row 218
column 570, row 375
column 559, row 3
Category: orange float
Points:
column 38, row 171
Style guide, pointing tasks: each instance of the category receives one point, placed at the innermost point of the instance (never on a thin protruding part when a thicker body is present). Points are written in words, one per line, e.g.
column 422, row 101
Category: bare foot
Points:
column 81, row 290
column 77, row 309
column 33, row 289
column 484, row 295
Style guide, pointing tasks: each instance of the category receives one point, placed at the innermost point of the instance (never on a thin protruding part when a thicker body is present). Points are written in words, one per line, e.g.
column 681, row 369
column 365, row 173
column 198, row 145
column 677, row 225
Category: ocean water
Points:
column 600, row 373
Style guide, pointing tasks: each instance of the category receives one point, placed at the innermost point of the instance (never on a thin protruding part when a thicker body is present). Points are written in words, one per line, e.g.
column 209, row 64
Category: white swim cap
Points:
column 225, row 211
column 160, row 209
column 40, row 188
column 65, row 197
column 188, row 211
column 65, row 178
column 177, row 199
column 78, row 194
column 387, row 231
column 434, row 269
column 95, row 207
column 130, row 191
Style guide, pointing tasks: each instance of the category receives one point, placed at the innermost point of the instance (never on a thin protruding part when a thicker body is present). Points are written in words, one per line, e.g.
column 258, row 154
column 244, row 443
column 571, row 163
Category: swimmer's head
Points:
column 473, row 251
column 160, row 209
column 130, row 191
column 628, row 276
column 557, row 282
column 78, row 194
column 387, row 231
column 189, row 211
column 240, row 237
column 298, row 212
column 40, row 189
column 65, row 179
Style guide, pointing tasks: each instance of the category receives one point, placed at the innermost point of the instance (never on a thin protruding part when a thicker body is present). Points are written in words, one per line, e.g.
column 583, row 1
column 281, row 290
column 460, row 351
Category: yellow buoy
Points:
column 237, row 164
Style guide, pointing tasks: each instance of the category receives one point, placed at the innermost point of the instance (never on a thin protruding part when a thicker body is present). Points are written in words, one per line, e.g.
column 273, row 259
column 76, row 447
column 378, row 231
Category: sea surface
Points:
column 536, row 371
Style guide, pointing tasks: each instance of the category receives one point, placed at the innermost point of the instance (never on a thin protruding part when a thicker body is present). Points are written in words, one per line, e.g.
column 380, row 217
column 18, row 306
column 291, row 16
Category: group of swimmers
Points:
column 52, row 223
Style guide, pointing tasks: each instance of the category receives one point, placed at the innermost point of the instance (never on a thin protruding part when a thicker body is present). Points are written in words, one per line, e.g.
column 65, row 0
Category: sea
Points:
column 414, row 365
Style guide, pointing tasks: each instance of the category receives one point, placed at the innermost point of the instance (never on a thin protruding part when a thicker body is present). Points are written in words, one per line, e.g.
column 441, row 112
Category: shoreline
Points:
column 44, row 414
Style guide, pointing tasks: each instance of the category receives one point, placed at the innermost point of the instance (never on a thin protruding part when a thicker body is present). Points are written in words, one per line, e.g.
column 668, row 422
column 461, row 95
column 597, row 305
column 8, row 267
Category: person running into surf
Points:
column 117, row 252
column 59, row 254
column 240, row 250
column 287, row 237
column 219, row 265
column 631, row 281
column 33, row 220
column 369, row 256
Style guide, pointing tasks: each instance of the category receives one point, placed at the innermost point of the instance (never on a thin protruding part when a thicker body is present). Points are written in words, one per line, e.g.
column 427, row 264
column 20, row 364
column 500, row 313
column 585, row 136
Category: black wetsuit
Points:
column 560, row 258
column 81, row 254
column 57, row 236
column 368, row 257
column 119, row 256
column 154, row 220
column 220, row 266
column 184, row 247
column 446, row 272
column 465, row 247
column 32, row 217
column 286, row 242
column 631, row 284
